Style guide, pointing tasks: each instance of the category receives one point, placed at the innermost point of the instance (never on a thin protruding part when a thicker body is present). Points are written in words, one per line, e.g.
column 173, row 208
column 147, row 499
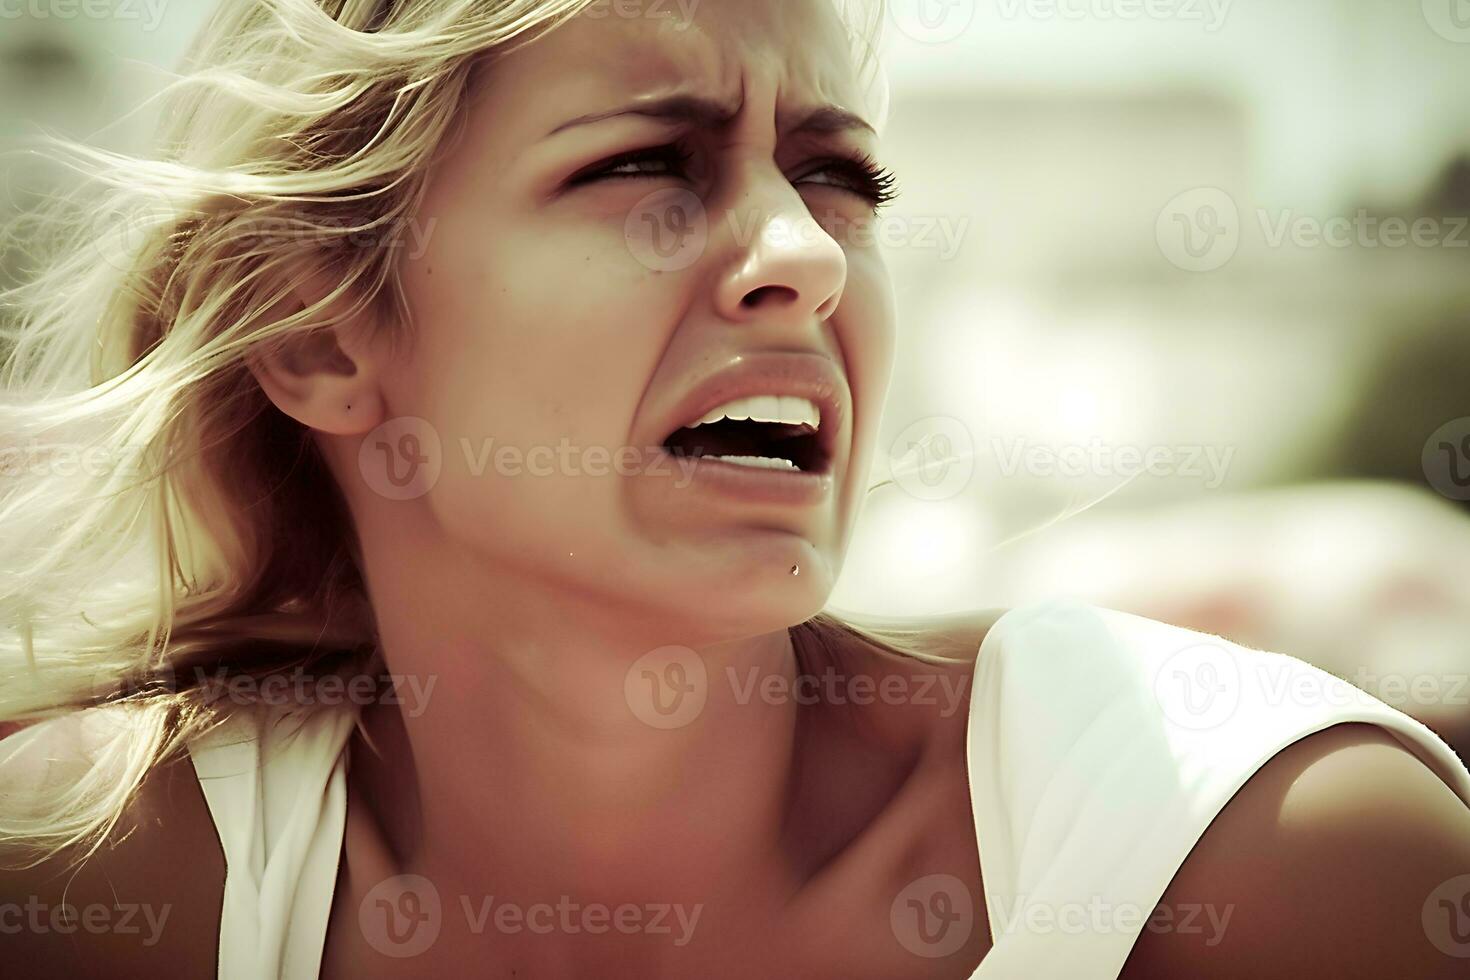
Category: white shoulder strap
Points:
column 1101, row 746
column 277, row 790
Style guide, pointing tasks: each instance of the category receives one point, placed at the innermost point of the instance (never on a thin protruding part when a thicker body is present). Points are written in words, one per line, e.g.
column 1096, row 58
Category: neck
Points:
column 536, row 746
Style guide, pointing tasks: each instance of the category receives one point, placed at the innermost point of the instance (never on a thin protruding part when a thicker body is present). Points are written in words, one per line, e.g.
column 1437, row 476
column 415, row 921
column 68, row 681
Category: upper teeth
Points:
column 767, row 408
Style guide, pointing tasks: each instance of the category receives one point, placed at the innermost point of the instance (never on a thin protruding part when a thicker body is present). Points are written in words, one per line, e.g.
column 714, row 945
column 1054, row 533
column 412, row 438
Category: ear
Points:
column 324, row 377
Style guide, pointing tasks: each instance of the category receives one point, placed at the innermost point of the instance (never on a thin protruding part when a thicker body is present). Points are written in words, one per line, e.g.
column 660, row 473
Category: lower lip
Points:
column 790, row 487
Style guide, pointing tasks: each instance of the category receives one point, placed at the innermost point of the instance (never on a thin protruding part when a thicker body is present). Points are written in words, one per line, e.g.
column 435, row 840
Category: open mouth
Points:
column 765, row 432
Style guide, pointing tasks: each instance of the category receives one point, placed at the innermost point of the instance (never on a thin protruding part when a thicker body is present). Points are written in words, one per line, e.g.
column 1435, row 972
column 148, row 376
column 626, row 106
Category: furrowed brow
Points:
column 708, row 113
column 713, row 114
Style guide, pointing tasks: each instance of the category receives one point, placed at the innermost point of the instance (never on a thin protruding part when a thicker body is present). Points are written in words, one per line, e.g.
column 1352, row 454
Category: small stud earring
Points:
column 795, row 569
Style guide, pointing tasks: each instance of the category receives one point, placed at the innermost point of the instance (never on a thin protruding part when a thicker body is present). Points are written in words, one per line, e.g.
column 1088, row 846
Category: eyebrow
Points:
column 712, row 114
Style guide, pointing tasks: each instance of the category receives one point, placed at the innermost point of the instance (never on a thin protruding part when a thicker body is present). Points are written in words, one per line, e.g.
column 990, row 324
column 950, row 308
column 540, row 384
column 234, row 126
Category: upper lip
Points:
column 805, row 375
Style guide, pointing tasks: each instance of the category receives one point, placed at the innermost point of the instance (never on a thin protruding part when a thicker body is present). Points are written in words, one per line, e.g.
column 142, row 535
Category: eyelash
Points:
column 867, row 179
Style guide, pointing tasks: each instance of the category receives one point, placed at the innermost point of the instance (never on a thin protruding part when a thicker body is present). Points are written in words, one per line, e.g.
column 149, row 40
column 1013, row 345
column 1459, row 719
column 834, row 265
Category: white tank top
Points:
column 1101, row 746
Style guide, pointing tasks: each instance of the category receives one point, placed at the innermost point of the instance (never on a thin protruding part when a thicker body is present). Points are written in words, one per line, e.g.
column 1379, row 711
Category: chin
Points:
column 744, row 606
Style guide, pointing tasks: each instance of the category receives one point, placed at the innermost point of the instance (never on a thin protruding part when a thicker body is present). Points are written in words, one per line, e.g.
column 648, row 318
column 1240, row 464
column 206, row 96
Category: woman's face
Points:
column 570, row 307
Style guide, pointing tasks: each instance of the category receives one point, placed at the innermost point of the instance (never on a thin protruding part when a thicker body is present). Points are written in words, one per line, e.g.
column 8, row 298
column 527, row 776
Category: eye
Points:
column 670, row 160
column 861, row 175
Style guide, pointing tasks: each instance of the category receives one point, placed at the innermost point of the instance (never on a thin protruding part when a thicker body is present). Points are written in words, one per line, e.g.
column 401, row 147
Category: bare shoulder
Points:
column 146, row 904
column 921, row 699
column 1343, row 856
column 953, row 635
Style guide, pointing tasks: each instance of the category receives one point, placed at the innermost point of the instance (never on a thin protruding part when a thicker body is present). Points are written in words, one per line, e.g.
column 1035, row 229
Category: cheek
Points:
column 867, row 333
column 527, row 331
column 528, row 340
column 865, row 329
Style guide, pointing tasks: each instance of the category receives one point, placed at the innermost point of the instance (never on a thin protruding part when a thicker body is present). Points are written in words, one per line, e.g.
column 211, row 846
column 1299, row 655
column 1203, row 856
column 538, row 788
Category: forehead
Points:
column 721, row 49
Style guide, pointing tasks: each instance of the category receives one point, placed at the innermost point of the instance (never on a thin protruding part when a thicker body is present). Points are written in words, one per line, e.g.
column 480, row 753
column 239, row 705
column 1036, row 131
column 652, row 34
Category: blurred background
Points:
column 1184, row 296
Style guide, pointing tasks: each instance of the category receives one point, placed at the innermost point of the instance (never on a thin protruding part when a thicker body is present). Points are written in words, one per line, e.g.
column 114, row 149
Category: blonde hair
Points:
column 167, row 519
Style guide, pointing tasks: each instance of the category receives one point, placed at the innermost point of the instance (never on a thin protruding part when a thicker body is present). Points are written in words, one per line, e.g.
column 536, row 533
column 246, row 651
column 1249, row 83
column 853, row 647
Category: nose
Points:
column 786, row 266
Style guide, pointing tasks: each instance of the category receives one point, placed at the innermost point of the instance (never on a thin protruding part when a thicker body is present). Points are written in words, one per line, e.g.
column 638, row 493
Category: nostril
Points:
column 760, row 294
